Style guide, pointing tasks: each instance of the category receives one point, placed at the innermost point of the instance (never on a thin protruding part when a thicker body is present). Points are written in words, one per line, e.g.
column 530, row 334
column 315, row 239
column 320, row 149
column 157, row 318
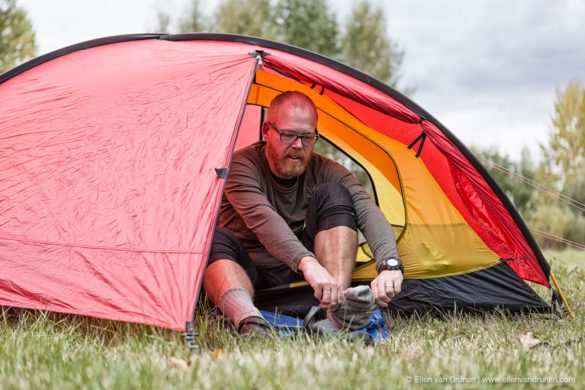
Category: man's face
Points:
column 288, row 161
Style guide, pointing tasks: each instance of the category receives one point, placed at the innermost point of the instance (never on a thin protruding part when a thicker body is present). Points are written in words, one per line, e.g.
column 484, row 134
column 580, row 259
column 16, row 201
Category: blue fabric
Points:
column 287, row 325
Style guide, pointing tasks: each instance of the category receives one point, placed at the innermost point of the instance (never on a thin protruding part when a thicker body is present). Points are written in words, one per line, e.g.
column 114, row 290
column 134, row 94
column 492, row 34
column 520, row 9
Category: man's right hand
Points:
column 327, row 289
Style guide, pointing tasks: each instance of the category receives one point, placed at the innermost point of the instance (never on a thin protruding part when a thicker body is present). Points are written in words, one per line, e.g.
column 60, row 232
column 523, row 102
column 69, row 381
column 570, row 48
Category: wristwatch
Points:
column 390, row 264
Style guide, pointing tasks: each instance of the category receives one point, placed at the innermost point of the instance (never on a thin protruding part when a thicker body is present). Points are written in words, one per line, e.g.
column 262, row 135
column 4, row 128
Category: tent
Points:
column 114, row 153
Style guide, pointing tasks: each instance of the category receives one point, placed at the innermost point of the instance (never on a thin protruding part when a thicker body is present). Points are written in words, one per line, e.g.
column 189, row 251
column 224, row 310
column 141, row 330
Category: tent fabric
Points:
column 449, row 166
column 495, row 287
column 109, row 184
column 487, row 214
column 498, row 287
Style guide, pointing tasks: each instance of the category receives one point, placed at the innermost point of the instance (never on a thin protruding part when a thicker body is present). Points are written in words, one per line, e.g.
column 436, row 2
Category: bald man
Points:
column 289, row 214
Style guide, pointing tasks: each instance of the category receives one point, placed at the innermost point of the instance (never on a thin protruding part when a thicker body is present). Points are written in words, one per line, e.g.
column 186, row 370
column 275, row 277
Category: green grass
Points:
column 573, row 258
column 48, row 350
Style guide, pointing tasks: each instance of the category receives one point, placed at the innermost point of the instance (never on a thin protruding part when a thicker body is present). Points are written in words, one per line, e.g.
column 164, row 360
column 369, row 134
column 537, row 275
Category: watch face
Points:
column 392, row 262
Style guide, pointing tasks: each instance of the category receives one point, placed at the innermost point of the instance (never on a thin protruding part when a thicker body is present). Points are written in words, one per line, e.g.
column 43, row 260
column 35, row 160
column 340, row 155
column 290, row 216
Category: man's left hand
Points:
column 386, row 286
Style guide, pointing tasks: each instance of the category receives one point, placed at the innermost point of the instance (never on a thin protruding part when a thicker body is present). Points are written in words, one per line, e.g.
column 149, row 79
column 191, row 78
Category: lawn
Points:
column 47, row 350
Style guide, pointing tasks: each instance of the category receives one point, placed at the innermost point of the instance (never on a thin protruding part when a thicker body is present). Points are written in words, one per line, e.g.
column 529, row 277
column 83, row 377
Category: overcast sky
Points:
column 487, row 69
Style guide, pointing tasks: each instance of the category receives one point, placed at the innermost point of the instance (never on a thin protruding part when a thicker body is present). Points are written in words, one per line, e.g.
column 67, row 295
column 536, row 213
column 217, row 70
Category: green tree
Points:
column 514, row 178
column 163, row 22
column 367, row 47
column 563, row 169
column 194, row 20
column 249, row 17
column 17, row 37
column 566, row 152
column 308, row 24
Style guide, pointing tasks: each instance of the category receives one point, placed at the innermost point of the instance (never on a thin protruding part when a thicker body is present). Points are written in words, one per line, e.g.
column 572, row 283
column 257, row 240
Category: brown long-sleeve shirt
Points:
column 267, row 213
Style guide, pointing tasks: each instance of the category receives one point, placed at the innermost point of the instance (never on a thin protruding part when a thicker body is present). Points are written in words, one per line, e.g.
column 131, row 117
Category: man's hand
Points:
column 386, row 286
column 327, row 289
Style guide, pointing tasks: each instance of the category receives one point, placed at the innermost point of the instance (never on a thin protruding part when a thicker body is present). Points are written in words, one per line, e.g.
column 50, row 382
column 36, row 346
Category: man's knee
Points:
column 330, row 206
column 225, row 245
column 332, row 194
column 227, row 248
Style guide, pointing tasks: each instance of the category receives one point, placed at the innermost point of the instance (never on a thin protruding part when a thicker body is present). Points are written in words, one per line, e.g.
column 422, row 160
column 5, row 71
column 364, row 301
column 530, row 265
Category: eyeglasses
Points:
column 289, row 138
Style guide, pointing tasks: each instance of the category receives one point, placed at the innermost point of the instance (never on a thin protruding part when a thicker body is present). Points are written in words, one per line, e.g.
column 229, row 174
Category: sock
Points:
column 236, row 304
column 356, row 308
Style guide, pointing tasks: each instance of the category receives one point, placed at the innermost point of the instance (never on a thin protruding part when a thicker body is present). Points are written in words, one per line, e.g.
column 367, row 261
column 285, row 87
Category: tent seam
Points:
column 122, row 249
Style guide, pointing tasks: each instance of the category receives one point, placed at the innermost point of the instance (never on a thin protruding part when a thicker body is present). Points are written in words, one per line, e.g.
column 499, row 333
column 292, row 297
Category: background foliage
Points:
column 17, row 37
column 361, row 41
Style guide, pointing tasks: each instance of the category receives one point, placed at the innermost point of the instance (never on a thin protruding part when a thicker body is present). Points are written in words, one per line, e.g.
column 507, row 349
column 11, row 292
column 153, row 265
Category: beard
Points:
column 286, row 167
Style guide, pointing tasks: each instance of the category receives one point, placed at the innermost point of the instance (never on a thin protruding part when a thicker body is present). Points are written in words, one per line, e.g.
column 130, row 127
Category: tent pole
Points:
column 565, row 303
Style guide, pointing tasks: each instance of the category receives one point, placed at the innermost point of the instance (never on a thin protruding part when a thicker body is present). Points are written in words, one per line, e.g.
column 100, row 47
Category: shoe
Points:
column 254, row 327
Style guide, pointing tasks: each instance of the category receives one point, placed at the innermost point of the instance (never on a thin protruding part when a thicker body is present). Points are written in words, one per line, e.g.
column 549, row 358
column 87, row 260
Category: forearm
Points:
column 281, row 242
column 378, row 233
column 376, row 229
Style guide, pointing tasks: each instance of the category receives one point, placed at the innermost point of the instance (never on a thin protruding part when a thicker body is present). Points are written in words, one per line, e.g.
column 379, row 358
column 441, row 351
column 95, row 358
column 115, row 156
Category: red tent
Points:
column 113, row 154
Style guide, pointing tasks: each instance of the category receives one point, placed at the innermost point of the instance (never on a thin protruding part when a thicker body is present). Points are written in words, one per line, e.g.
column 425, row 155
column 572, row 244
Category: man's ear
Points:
column 265, row 128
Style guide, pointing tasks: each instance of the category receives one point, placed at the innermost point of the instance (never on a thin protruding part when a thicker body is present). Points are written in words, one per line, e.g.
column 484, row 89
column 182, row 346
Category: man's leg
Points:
column 336, row 250
column 229, row 280
column 332, row 228
column 224, row 274
column 331, row 221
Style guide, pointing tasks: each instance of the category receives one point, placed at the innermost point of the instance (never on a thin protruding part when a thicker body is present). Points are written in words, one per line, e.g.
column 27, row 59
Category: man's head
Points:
column 290, row 115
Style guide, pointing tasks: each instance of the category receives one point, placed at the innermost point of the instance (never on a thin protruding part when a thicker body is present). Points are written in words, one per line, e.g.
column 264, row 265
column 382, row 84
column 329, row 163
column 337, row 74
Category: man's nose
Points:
column 298, row 144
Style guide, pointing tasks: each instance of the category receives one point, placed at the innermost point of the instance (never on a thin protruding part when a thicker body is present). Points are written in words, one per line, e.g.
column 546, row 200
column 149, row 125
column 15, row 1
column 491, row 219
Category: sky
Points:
column 489, row 70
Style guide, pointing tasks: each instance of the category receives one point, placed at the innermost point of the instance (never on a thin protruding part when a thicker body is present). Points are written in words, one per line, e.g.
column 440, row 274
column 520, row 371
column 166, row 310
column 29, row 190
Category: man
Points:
column 287, row 211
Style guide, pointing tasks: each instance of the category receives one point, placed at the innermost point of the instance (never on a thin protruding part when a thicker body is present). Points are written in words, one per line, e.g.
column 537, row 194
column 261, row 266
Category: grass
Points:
column 572, row 258
column 48, row 350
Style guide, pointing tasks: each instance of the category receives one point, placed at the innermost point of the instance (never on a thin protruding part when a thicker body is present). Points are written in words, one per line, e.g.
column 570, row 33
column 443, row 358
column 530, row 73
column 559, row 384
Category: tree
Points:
column 366, row 47
column 249, row 17
column 17, row 37
column 511, row 176
column 164, row 21
column 563, row 168
column 308, row 24
column 567, row 143
column 364, row 43
column 194, row 21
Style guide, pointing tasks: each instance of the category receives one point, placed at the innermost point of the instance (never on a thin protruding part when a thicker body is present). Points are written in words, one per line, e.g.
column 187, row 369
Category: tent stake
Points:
column 189, row 336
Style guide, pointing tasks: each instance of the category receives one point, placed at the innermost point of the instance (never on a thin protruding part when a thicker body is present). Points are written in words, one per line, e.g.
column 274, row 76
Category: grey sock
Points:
column 236, row 304
column 356, row 308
